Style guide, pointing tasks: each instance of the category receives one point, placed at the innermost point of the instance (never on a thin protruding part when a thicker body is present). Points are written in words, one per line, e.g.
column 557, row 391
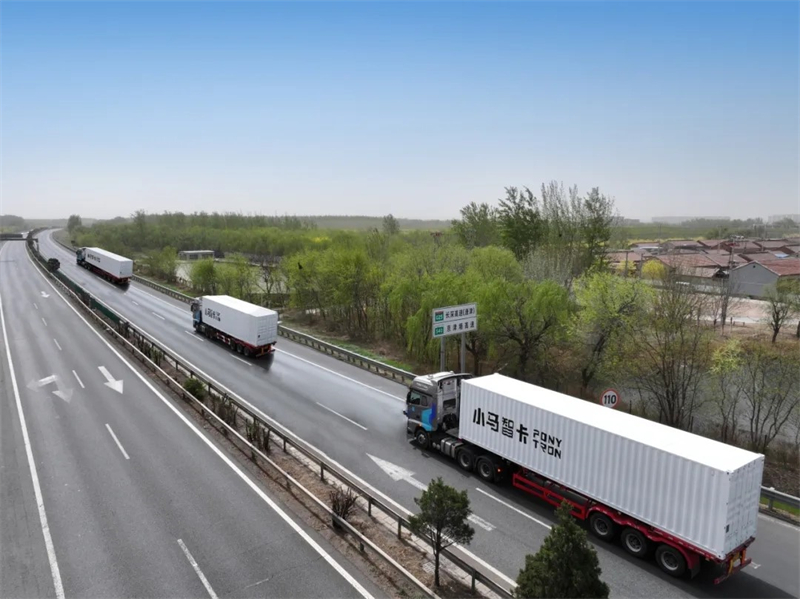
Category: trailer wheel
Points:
column 602, row 526
column 485, row 469
column 247, row 352
column 635, row 543
column 671, row 561
column 466, row 459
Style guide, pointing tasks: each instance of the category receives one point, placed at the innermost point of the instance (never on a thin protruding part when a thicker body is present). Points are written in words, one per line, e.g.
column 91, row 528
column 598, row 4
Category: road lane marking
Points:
column 35, row 306
column 197, row 570
column 159, row 316
column 342, row 416
column 80, row 382
column 48, row 539
column 755, row 566
column 242, row 361
column 194, row 336
column 57, row 345
column 135, row 303
column 221, row 455
column 121, row 448
column 44, row 321
column 283, row 351
column 477, row 520
column 511, row 507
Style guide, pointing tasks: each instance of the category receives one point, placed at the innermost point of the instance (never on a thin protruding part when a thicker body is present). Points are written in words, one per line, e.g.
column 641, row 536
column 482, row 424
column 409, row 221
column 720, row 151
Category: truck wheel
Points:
column 635, row 543
column 485, row 469
column 247, row 352
column 602, row 526
column 423, row 438
column 671, row 561
column 466, row 459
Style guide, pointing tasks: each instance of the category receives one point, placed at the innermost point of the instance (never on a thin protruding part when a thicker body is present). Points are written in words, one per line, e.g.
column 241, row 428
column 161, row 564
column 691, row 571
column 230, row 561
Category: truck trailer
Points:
column 110, row 266
column 660, row 491
column 244, row 327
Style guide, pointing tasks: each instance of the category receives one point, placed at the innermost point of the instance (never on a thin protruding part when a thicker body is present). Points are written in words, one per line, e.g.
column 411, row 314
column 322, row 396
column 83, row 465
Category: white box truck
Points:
column 112, row 267
column 244, row 327
column 661, row 491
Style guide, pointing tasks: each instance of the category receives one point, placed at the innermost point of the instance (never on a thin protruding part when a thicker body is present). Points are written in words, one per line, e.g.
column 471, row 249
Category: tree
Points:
column 655, row 270
column 721, row 300
column 390, row 225
column 203, row 275
column 478, row 227
column 566, row 565
column 609, row 307
column 520, row 221
column 73, row 222
column 780, row 304
column 726, row 386
column 668, row 361
column 771, row 390
column 442, row 519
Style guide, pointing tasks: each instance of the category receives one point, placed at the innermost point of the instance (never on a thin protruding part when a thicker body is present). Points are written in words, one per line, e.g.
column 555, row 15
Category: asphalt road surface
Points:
column 126, row 498
column 356, row 419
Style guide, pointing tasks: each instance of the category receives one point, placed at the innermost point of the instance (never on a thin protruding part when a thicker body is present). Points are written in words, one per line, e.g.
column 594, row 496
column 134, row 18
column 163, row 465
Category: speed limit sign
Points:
column 609, row 398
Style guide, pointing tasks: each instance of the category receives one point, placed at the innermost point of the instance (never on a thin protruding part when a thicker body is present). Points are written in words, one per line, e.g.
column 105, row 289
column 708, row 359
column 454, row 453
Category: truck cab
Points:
column 80, row 256
column 196, row 308
column 432, row 405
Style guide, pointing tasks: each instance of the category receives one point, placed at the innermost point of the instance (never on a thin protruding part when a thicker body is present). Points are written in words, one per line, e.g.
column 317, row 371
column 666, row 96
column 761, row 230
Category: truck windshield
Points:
column 415, row 398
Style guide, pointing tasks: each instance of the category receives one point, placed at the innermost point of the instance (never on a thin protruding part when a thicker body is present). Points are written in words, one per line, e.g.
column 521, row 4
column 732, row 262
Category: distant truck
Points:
column 661, row 491
column 110, row 266
column 244, row 327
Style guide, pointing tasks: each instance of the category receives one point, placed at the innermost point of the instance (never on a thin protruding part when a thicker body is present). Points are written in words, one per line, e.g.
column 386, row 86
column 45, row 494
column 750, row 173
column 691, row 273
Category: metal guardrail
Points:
column 406, row 377
column 142, row 348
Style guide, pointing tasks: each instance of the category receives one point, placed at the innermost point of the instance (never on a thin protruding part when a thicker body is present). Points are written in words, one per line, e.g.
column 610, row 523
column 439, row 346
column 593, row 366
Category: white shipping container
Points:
column 114, row 264
column 245, row 321
column 701, row 491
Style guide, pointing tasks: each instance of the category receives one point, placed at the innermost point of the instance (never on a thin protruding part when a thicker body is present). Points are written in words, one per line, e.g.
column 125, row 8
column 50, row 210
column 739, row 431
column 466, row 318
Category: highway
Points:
column 124, row 496
column 356, row 419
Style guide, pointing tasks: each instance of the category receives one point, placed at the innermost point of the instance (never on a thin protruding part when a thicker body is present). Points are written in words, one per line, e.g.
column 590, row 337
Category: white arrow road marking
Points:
column 341, row 416
column 80, row 382
column 197, row 569
column 511, row 507
column 114, row 384
column 121, row 448
column 755, row 566
column 61, row 391
column 481, row 522
column 45, row 294
column 398, row 473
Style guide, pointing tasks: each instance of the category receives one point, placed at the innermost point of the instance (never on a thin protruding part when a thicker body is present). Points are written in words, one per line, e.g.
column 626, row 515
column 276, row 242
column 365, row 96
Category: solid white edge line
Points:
column 275, row 507
column 121, row 448
column 240, row 359
column 80, row 382
column 44, row 321
column 344, row 376
column 197, row 570
column 57, row 345
column 377, row 492
column 342, row 416
column 158, row 316
column 48, row 539
column 511, row 507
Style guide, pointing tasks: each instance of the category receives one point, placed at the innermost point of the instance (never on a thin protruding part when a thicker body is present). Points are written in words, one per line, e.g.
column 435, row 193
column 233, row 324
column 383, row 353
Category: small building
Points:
column 755, row 278
column 744, row 246
column 711, row 244
column 195, row 254
column 681, row 244
column 770, row 244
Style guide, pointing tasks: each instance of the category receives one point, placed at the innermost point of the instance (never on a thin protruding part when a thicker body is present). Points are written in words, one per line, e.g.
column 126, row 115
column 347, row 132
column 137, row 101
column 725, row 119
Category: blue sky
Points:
column 413, row 108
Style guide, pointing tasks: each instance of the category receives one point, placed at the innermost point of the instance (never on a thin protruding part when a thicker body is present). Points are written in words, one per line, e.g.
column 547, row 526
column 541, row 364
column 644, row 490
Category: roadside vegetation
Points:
column 550, row 311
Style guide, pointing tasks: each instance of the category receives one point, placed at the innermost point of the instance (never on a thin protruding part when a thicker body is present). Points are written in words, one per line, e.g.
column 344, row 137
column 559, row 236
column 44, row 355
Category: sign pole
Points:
column 441, row 356
column 463, row 352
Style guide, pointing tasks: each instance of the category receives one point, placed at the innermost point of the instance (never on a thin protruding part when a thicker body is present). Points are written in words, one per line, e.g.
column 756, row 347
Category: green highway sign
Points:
column 438, row 332
column 454, row 319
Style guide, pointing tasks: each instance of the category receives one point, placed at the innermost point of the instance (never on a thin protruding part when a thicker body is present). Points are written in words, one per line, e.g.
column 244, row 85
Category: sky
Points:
column 409, row 108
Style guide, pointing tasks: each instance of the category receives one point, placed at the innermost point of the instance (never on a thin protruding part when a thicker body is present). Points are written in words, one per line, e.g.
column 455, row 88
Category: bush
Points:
column 195, row 387
column 343, row 502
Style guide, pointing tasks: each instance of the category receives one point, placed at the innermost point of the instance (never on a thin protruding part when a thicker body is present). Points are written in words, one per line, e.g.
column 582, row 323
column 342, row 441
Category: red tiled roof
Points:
column 771, row 244
column 783, row 267
column 697, row 260
column 710, row 243
column 758, row 256
column 791, row 249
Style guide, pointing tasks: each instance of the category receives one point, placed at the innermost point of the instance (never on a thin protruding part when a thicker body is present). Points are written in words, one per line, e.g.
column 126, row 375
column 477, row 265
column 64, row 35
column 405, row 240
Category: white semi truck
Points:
column 244, row 327
column 112, row 267
column 660, row 491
